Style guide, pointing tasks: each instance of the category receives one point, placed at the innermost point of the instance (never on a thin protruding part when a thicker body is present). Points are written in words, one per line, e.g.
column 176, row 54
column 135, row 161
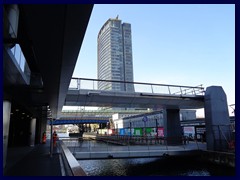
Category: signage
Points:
column 160, row 132
column 145, row 119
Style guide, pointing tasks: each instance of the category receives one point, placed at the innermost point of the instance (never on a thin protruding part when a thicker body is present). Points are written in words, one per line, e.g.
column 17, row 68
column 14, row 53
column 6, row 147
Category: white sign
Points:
column 189, row 130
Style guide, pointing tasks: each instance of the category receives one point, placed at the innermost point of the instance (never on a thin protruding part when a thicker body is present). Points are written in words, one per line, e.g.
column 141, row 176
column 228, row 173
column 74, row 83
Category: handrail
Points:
column 105, row 111
column 152, row 88
column 87, row 148
column 74, row 169
column 90, row 79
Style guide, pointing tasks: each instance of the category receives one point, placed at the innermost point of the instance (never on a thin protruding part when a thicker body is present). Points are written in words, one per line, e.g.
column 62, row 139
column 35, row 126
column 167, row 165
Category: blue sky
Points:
column 179, row 44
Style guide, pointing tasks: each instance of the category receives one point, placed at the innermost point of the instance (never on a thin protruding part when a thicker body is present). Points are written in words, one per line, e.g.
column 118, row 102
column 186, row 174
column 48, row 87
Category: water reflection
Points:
column 153, row 167
column 171, row 166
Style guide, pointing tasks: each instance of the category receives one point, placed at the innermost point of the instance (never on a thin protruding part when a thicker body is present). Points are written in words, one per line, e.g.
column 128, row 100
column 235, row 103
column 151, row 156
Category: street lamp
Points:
column 130, row 129
column 145, row 119
column 156, row 126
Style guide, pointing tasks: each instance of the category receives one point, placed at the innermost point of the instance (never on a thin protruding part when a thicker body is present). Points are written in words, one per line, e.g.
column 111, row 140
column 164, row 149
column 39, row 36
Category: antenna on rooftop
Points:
column 117, row 17
column 233, row 108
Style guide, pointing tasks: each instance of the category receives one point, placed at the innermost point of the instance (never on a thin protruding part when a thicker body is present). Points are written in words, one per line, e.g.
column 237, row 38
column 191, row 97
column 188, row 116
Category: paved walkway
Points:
column 32, row 161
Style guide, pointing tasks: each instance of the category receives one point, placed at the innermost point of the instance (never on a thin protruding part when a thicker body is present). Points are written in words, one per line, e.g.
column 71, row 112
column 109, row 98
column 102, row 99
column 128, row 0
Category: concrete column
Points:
column 32, row 132
column 216, row 118
column 172, row 127
column 6, row 123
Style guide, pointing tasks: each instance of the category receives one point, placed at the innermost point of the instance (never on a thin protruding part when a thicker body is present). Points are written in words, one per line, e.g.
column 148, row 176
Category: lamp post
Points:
column 51, row 138
column 130, row 129
column 156, row 120
column 145, row 120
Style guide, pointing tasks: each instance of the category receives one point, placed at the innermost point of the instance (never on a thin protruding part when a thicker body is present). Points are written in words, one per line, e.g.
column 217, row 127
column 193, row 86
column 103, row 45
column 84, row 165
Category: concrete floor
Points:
column 32, row 161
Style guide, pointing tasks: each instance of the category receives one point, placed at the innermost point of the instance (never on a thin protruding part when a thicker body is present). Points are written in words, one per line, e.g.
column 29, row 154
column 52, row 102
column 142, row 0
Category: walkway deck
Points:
column 32, row 161
column 86, row 97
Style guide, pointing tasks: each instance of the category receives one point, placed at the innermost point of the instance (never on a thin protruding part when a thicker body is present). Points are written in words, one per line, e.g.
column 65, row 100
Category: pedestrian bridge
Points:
column 83, row 116
column 83, row 92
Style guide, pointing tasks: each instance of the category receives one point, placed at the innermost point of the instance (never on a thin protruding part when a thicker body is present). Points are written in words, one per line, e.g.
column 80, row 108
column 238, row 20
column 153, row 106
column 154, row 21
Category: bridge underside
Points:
column 99, row 98
column 76, row 121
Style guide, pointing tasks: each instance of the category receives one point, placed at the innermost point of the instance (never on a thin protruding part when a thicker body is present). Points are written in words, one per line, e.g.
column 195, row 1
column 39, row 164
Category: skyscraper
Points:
column 115, row 56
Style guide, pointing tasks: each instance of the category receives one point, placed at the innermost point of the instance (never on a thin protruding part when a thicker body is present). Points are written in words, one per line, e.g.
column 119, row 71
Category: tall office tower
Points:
column 115, row 56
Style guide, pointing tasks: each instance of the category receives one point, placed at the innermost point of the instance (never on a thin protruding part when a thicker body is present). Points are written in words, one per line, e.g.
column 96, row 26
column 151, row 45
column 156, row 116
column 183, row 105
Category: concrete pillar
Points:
column 216, row 118
column 172, row 127
column 32, row 132
column 6, row 123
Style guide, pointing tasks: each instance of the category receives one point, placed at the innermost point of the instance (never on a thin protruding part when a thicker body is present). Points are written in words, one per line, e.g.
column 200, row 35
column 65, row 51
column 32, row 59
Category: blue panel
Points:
column 122, row 131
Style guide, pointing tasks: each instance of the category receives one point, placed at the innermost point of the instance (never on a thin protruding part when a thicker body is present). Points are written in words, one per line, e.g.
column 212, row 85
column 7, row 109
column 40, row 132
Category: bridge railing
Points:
column 121, row 144
column 106, row 112
column 224, row 138
column 152, row 88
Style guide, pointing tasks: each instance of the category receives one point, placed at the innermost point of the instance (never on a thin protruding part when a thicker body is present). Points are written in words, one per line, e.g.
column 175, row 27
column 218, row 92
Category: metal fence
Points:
column 224, row 138
column 152, row 88
column 121, row 144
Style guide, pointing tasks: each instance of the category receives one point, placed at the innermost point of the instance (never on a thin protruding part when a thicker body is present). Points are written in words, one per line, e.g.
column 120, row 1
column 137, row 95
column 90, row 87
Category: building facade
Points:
column 115, row 56
column 150, row 119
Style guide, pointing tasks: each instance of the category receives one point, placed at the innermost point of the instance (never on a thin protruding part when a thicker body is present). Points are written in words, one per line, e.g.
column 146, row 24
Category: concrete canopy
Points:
column 50, row 37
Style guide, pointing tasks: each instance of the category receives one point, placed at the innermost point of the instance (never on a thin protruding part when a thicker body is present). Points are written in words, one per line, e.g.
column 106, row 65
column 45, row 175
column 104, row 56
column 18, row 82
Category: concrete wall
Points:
column 216, row 119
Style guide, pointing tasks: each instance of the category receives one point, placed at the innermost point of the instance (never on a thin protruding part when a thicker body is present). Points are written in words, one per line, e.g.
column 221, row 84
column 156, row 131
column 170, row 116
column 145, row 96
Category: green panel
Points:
column 148, row 130
column 138, row 132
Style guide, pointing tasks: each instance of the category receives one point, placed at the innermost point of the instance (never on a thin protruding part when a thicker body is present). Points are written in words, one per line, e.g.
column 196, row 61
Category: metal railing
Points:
column 129, row 145
column 224, row 138
column 106, row 111
column 152, row 88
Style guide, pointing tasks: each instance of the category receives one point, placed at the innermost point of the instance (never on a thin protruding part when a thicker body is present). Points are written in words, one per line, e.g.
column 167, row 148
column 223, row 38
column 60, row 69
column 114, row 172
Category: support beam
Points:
column 172, row 127
column 217, row 119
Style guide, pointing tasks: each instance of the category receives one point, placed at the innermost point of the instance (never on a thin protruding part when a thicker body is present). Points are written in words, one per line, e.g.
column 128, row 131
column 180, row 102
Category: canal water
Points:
column 154, row 167
column 165, row 166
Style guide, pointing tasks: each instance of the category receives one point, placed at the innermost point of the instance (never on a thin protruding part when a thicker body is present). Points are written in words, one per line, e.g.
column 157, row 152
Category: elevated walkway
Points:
column 85, row 97
column 83, row 92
